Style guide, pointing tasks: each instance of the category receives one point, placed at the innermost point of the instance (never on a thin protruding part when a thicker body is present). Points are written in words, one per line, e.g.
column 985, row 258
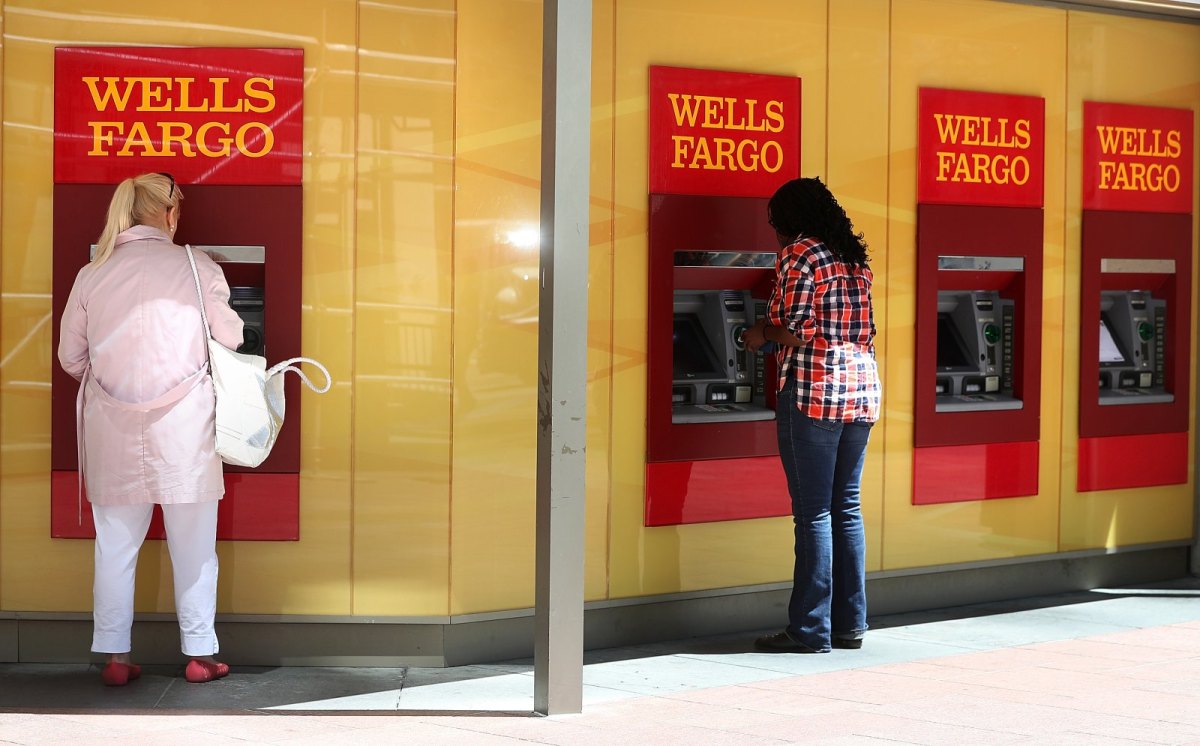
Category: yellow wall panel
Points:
column 1140, row 62
column 857, row 174
column 403, row 311
column 601, row 271
column 3, row 346
column 1002, row 48
column 496, row 180
column 497, row 213
column 311, row 576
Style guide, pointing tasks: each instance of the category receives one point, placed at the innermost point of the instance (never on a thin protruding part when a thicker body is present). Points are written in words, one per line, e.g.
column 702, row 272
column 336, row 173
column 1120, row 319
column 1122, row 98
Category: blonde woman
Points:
column 132, row 335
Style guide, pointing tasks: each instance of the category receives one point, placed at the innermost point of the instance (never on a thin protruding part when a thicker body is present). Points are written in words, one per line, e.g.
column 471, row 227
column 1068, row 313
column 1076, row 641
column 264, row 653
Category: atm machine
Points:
column 975, row 333
column 714, row 377
column 1135, row 339
column 1132, row 348
column 711, row 443
column 257, row 245
column 977, row 395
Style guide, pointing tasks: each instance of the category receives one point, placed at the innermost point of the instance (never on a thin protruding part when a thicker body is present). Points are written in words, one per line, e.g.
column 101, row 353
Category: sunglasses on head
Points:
column 170, row 178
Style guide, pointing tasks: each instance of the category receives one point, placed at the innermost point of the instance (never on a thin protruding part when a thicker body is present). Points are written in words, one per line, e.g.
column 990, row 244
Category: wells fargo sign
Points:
column 1137, row 158
column 980, row 148
column 208, row 116
column 722, row 133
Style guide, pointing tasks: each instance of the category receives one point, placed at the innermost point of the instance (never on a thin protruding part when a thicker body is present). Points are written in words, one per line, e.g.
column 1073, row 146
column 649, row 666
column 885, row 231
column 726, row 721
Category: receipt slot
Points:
column 711, row 452
column 1135, row 346
column 978, row 335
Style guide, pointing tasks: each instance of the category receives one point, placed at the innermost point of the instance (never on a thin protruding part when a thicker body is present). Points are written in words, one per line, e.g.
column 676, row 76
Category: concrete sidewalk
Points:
column 1113, row 666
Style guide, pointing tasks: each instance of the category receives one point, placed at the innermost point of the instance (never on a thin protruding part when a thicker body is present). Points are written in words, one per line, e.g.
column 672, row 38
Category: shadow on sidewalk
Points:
column 161, row 690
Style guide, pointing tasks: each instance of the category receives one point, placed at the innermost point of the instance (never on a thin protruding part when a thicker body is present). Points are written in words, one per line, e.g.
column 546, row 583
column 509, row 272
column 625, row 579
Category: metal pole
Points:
column 562, row 355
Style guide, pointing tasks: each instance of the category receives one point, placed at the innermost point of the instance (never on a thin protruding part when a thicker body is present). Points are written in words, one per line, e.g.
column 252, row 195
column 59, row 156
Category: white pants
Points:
column 192, row 542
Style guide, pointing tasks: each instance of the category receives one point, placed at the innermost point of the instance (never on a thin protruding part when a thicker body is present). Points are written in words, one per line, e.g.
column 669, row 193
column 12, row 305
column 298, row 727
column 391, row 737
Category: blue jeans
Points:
column 823, row 461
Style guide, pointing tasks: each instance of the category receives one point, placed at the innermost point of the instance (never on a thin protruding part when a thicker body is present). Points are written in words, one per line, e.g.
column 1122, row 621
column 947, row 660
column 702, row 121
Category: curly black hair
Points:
column 805, row 207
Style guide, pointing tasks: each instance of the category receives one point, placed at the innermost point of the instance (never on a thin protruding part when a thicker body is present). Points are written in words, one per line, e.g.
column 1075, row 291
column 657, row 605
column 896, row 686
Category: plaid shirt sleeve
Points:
column 793, row 295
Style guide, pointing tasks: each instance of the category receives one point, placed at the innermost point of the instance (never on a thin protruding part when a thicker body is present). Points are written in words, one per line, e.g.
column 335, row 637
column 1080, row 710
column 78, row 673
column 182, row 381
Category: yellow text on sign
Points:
column 968, row 130
column 212, row 139
column 728, row 114
column 1139, row 142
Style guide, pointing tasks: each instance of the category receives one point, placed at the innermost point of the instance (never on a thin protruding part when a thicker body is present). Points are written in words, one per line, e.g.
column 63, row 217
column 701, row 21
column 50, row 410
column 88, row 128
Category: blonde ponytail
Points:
column 120, row 218
column 136, row 201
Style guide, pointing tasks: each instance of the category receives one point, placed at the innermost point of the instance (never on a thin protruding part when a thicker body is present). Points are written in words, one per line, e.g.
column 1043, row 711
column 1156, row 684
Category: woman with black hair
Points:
column 820, row 318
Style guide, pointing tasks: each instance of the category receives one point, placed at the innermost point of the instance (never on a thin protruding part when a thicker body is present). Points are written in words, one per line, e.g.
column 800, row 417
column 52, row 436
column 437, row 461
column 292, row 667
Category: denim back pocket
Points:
column 831, row 426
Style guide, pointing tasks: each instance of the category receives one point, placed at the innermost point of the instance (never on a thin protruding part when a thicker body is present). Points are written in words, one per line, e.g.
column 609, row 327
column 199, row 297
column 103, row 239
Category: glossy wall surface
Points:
column 421, row 184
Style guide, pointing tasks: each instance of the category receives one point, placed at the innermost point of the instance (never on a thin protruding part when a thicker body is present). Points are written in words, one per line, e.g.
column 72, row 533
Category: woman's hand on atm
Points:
column 755, row 337
column 764, row 334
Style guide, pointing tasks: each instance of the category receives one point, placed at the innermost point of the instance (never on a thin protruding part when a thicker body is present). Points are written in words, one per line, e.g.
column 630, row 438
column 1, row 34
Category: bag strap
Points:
column 286, row 365
column 199, row 294
column 291, row 363
column 80, row 451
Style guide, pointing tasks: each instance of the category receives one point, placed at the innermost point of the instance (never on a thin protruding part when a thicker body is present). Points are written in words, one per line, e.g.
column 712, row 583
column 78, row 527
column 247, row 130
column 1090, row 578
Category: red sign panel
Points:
column 980, row 148
column 1137, row 158
column 207, row 116
column 721, row 133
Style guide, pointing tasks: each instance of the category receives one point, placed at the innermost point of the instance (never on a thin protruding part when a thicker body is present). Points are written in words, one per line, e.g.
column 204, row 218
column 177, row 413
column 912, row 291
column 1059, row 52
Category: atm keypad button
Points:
column 971, row 388
column 719, row 396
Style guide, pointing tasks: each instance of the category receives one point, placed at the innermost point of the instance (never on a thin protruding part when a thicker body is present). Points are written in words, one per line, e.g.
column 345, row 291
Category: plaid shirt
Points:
column 827, row 304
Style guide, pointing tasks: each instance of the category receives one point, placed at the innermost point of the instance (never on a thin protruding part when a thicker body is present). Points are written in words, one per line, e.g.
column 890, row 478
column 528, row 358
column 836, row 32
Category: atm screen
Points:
column 951, row 350
column 693, row 355
column 1110, row 351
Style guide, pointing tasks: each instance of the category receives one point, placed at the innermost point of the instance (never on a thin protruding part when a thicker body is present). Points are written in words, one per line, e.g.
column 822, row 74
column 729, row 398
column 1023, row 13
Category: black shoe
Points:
column 782, row 642
column 847, row 643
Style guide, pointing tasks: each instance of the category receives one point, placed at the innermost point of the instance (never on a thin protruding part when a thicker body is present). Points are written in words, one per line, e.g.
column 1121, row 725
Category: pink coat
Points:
column 136, row 320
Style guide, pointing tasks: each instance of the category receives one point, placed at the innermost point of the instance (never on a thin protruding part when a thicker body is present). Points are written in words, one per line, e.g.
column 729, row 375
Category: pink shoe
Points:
column 120, row 674
column 198, row 671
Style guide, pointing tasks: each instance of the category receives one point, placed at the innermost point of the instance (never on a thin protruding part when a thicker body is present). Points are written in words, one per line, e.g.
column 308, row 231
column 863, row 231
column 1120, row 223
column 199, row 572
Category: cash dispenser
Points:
column 1134, row 349
column 978, row 332
column 711, row 451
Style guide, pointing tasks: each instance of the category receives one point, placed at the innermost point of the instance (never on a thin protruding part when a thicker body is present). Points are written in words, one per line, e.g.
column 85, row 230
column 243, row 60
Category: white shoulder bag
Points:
column 250, row 402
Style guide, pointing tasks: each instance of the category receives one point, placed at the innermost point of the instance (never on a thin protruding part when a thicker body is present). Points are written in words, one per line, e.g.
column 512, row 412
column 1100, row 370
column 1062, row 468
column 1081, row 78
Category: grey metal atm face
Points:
column 715, row 378
column 1132, row 361
column 247, row 301
column 974, row 351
